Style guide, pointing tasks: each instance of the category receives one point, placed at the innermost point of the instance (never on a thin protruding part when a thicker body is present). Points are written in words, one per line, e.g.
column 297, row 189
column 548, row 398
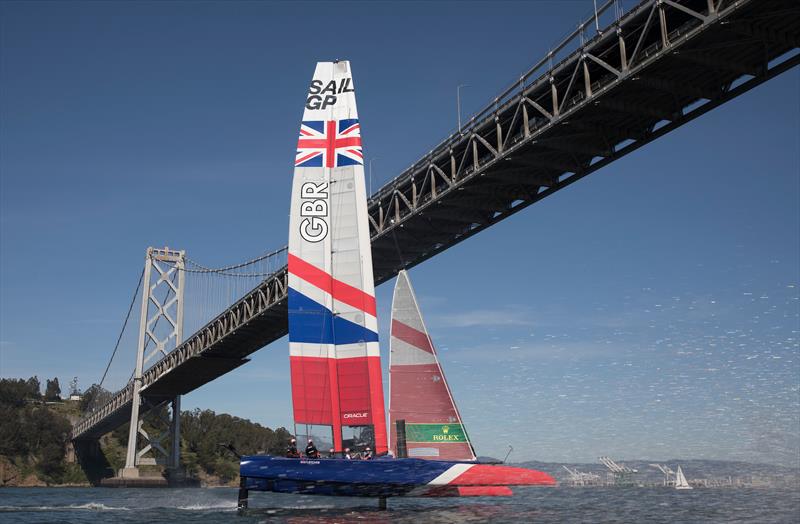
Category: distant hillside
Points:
column 34, row 436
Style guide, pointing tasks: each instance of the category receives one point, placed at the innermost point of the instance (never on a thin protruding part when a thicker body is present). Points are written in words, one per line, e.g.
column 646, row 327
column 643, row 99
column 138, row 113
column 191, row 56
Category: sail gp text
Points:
column 314, row 211
column 321, row 97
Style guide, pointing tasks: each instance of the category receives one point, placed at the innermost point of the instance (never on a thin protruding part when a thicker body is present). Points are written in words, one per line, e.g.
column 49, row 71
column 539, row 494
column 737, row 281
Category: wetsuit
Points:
column 311, row 451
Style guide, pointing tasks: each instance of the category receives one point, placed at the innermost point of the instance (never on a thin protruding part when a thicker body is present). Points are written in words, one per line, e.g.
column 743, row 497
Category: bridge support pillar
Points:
column 160, row 330
column 175, row 434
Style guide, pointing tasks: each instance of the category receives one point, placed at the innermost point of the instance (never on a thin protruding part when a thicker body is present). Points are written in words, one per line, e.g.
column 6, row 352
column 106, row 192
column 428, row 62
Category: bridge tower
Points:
column 160, row 331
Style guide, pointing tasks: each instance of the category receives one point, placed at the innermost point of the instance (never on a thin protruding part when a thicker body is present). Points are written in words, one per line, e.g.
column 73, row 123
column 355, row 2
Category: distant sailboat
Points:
column 680, row 480
column 419, row 391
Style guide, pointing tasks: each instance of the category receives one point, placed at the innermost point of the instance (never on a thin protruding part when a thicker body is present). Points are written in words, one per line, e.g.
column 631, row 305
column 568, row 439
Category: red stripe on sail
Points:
column 336, row 425
column 311, row 394
column 339, row 392
column 410, row 383
column 412, row 336
column 379, row 414
column 337, row 289
column 354, row 392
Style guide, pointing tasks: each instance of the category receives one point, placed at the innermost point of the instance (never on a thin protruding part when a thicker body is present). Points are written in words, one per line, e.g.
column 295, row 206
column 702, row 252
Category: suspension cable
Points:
column 199, row 268
column 124, row 324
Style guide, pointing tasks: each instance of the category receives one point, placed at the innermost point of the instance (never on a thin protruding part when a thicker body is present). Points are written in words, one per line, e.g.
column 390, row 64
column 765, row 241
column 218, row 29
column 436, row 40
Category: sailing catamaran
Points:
column 333, row 336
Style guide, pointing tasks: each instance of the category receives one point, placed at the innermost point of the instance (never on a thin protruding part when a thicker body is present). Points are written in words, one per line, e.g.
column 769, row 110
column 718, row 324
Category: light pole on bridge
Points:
column 458, row 104
column 371, row 160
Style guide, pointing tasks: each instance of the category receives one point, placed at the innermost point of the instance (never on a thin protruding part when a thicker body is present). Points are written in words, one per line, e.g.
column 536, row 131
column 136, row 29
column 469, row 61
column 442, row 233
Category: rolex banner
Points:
column 435, row 433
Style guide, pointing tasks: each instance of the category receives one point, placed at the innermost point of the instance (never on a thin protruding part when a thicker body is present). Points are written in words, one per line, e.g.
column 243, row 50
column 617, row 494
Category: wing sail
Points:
column 333, row 329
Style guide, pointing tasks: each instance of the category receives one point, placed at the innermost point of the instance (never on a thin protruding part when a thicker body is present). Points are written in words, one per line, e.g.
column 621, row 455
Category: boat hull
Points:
column 384, row 477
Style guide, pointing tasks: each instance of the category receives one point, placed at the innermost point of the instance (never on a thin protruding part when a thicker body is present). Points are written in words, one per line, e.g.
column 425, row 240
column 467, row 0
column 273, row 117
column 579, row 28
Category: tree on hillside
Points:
column 17, row 391
column 31, row 433
column 53, row 390
column 93, row 397
column 205, row 434
column 34, row 387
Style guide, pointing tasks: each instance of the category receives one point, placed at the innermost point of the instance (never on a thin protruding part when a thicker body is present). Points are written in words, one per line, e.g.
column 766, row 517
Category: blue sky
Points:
column 650, row 310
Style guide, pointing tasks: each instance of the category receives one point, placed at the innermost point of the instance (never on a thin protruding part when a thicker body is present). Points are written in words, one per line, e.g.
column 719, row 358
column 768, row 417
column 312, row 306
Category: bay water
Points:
column 561, row 504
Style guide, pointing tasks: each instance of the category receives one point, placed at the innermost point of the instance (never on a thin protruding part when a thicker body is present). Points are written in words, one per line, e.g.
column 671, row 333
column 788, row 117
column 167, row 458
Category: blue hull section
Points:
column 380, row 477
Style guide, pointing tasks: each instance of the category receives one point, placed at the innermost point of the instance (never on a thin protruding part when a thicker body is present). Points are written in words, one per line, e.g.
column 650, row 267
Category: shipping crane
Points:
column 620, row 474
column 578, row 478
column 669, row 475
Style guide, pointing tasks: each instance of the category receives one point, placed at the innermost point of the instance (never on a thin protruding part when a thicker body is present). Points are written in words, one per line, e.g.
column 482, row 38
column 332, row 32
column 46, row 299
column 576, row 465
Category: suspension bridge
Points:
column 616, row 83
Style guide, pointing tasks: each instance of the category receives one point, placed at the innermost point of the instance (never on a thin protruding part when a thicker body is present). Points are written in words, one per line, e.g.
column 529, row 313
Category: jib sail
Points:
column 419, row 391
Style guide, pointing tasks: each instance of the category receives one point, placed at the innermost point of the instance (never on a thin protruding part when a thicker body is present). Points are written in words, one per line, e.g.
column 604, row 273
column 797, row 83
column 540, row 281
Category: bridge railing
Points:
column 542, row 69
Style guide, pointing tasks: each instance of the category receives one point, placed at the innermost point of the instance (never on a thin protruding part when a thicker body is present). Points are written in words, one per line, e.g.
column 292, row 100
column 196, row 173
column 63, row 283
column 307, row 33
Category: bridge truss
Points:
column 653, row 69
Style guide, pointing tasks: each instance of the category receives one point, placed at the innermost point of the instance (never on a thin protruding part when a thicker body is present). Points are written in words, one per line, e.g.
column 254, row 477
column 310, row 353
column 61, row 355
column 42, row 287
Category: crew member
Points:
column 291, row 451
column 332, row 453
column 311, row 450
column 367, row 455
column 347, row 454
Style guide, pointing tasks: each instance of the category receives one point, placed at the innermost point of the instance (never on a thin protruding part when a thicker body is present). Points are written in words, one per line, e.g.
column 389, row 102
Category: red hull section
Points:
column 498, row 475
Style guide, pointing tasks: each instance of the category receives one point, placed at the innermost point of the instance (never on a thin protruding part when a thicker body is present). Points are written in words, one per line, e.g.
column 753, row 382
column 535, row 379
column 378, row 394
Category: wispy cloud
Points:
column 485, row 318
column 535, row 352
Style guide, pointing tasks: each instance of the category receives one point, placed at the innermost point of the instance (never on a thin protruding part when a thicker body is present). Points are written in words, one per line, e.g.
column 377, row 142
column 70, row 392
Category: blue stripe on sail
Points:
column 316, row 125
column 347, row 122
column 312, row 162
column 342, row 161
column 313, row 323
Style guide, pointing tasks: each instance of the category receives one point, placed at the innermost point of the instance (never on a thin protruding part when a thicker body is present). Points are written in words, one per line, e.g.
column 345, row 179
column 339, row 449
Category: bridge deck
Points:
column 662, row 65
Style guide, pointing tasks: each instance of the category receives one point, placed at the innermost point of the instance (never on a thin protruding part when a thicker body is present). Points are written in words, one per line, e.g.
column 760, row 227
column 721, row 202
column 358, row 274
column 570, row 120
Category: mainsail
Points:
column 333, row 329
column 419, row 391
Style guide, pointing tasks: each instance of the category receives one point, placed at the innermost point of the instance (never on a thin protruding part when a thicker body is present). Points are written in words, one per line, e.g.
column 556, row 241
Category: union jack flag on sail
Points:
column 331, row 143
